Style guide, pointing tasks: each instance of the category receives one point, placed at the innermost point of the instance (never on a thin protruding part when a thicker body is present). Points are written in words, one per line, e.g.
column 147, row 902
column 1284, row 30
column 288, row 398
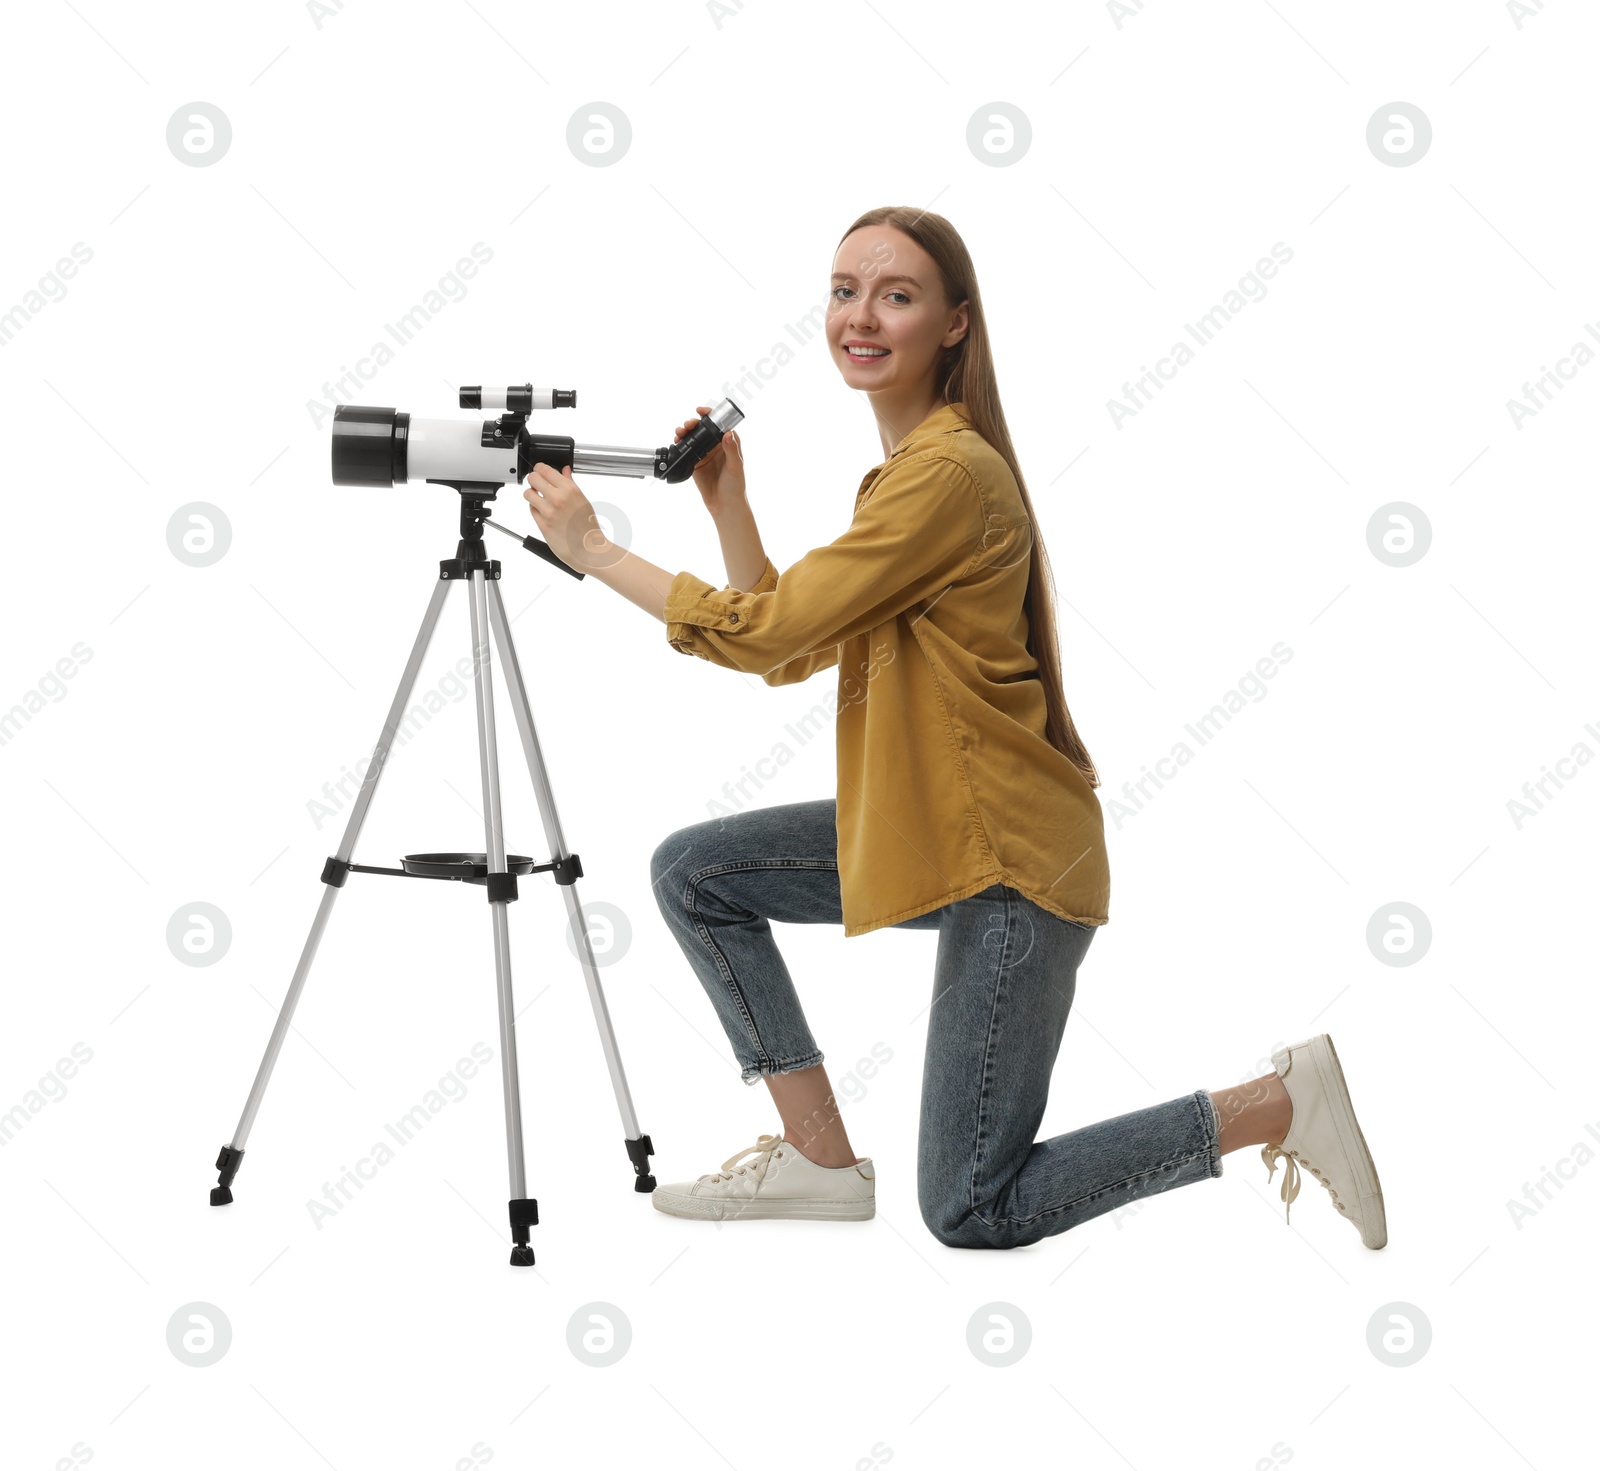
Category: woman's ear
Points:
column 959, row 323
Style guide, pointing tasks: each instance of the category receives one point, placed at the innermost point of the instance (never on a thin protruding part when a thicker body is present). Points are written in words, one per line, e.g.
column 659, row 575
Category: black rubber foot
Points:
column 521, row 1256
column 221, row 1195
column 639, row 1152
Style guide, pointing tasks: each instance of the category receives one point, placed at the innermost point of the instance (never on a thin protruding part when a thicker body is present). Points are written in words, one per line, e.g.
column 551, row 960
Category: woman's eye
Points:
column 896, row 292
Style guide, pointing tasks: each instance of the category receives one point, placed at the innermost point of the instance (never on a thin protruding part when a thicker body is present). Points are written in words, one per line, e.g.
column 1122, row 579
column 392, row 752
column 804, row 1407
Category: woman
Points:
column 965, row 805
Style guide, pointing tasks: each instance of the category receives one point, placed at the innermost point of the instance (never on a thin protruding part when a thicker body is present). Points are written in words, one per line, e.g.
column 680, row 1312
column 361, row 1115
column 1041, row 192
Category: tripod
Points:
column 493, row 870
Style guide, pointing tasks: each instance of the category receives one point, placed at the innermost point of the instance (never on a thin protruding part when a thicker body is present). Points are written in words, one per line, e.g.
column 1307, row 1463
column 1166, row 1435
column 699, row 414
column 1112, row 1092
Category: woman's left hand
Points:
column 566, row 520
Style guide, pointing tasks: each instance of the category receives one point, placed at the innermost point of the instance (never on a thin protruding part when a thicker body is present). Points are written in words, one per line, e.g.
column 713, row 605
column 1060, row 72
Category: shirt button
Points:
column 733, row 618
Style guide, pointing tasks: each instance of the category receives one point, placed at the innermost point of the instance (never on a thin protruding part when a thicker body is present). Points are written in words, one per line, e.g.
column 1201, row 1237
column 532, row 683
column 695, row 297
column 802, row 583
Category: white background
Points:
column 1169, row 152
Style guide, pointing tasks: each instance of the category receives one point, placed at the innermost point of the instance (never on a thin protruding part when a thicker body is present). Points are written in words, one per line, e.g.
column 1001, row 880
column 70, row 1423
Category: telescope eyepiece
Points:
column 676, row 463
column 726, row 415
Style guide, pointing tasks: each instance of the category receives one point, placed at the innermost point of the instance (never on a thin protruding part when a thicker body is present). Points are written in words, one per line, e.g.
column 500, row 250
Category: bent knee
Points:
column 958, row 1228
column 948, row 1215
column 676, row 857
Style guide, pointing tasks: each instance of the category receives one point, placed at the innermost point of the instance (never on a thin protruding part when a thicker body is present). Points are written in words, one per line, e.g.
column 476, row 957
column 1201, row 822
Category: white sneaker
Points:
column 1325, row 1137
column 780, row 1183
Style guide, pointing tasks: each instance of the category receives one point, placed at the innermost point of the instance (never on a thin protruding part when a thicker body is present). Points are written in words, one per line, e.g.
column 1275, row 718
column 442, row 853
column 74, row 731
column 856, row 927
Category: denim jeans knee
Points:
column 718, row 885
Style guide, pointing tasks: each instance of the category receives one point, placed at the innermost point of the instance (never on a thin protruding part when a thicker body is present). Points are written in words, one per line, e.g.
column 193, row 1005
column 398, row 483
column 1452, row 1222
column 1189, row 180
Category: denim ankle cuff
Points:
column 753, row 1073
column 1211, row 1128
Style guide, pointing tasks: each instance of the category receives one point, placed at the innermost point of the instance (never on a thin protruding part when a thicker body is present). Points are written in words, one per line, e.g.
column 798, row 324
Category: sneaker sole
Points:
column 696, row 1208
column 1351, row 1137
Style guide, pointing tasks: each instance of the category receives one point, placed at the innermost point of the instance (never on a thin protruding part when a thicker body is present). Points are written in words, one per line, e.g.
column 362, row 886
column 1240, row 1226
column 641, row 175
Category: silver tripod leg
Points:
column 524, row 1212
column 228, row 1159
column 639, row 1147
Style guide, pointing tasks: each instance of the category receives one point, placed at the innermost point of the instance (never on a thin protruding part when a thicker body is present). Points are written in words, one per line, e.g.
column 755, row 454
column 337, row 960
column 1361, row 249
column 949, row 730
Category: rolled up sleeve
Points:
column 807, row 664
column 768, row 579
column 921, row 528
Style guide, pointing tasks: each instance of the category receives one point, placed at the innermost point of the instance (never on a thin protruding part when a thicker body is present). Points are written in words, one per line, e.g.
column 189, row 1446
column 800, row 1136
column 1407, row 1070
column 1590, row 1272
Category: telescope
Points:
column 384, row 447
column 387, row 447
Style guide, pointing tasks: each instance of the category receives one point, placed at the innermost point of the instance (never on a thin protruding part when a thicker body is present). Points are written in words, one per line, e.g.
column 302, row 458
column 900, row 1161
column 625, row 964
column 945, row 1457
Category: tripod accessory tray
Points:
column 467, row 868
column 470, row 868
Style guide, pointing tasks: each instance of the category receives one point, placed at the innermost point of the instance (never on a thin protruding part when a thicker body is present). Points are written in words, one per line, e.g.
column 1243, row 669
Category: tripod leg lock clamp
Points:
column 524, row 1213
column 335, row 873
column 502, row 887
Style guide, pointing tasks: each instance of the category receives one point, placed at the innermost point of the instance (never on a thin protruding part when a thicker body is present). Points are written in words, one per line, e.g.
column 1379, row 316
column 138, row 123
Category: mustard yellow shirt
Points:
column 947, row 784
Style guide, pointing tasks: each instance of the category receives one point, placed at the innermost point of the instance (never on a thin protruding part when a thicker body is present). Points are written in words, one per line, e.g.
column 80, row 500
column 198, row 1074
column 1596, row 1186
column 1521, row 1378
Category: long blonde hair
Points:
column 968, row 376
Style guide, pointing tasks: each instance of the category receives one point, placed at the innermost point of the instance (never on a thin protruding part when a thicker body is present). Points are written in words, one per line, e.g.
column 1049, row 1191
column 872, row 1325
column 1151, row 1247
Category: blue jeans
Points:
column 1003, row 983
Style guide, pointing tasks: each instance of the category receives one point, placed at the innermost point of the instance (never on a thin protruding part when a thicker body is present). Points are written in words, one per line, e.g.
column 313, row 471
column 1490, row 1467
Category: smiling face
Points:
column 888, row 303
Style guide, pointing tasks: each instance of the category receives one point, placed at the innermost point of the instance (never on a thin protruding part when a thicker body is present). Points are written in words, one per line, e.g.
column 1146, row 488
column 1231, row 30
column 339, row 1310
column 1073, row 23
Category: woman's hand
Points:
column 567, row 521
column 719, row 477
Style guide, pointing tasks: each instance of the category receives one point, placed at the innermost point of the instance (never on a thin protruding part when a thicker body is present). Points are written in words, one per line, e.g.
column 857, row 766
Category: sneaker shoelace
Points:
column 762, row 1149
column 1271, row 1154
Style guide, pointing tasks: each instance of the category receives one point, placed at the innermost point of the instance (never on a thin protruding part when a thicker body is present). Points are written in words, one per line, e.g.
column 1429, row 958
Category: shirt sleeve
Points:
column 806, row 665
column 803, row 667
column 920, row 529
column 768, row 579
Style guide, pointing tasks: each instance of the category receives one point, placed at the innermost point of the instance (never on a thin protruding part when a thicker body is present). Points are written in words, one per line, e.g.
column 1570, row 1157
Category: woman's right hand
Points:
column 720, row 475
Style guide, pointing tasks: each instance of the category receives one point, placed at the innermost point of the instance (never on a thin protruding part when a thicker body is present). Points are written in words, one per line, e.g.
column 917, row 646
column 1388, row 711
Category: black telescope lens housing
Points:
column 369, row 445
